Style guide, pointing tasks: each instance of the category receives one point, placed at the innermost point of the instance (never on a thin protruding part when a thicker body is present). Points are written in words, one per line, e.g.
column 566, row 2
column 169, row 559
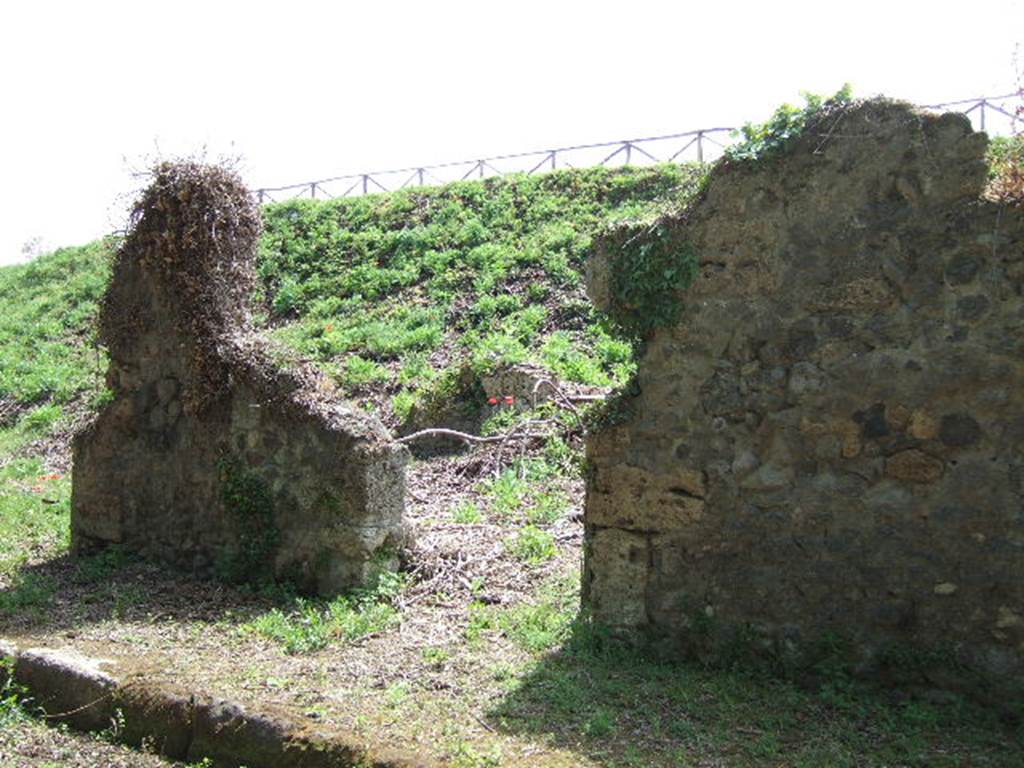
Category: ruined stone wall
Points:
column 208, row 455
column 829, row 443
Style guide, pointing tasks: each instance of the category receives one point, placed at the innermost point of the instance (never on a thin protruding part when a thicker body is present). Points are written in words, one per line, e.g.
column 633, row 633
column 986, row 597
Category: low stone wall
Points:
column 828, row 446
column 141, row 710
column 208, row 456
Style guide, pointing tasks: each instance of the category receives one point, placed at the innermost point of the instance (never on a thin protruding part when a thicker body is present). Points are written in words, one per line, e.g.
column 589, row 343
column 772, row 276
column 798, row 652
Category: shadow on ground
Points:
column 592, row 696
column 620, row 708
column 67, row 593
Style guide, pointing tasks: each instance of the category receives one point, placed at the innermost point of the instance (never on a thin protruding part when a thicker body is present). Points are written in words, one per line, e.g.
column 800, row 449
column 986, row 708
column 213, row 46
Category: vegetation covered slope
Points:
column 402, row 294
column 385, row 291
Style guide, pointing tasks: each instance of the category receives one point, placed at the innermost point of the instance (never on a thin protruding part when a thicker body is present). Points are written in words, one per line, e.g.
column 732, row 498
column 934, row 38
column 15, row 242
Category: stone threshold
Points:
column 93, row 694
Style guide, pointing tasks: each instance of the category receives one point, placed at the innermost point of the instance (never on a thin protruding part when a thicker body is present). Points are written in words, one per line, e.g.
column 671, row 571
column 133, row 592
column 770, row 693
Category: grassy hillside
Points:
column 399, row 295
column 386, row 292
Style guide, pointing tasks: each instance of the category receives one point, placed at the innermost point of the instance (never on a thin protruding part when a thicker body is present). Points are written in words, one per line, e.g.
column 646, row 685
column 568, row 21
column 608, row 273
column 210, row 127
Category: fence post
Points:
column 629, row 152
column 419, row 173
column 700, row 146
column 983, row 114
column 259, row 196
column 553, row 151
column 366, row 182
column 312, row 191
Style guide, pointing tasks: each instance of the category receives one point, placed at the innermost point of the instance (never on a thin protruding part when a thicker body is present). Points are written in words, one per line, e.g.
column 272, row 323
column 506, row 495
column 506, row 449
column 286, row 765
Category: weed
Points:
column 34, row 508
column 310, row 626
column 12, row 696
column 532, row 545
column 395, row 695
column 650, row 266
column 465, row 755
column 600, row 724
column 566, row 359
column 1006, row 168
column 564, row 459
column 467, row 513
column 402, row 405
column 359, row 372
column 481, row 620
column 39, row 420
column 508, row 493
column 436, row 657
column 497, row 349
column 502, row 420
column 394, row 278
column 104, row 564
column 48, row 306
column 548, row 507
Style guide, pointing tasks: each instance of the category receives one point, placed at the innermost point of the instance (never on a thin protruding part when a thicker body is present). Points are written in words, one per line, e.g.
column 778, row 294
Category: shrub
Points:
column 761, row 141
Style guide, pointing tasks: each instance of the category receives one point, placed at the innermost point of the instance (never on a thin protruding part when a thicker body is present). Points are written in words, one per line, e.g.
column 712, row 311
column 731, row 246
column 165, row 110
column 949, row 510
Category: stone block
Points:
column 914, row 466
column 69, row 687
column 632, row 498
column 157, row 716
column 617, row 577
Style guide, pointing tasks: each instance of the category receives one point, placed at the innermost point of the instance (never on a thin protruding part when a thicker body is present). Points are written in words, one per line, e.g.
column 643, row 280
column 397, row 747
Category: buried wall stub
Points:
column 208, row 455
column 829, row 442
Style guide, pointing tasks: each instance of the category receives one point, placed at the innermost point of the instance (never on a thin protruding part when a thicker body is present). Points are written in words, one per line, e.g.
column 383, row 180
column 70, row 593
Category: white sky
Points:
column 303, row 90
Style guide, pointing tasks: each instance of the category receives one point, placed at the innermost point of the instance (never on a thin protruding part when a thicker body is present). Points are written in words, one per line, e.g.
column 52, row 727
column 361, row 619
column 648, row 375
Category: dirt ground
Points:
column 406, row 685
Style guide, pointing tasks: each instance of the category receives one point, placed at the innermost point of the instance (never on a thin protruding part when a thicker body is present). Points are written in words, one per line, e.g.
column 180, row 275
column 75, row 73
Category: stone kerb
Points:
column 208, row 455
column 830, row 441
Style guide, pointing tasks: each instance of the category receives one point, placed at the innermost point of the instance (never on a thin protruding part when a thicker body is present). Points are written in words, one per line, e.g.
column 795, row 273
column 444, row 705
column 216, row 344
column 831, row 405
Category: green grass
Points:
column 489, row 270
column 34, row 512
column 621, row 706
column 532, row 489
column 28, row 594
column 34, row 517
column 546, row 622
column 101, row 566
column 307, row 625
column 549, row 506
column 46, row 355
column 508, row 493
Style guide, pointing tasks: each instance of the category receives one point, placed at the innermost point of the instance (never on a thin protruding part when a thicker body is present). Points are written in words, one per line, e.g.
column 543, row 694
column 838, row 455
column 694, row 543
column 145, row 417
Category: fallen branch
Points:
column 438, row 431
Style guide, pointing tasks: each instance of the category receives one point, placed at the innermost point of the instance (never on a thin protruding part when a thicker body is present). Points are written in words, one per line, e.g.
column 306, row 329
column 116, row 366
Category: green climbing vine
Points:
column 761, row 141
column 248, row 502
column 649, row 268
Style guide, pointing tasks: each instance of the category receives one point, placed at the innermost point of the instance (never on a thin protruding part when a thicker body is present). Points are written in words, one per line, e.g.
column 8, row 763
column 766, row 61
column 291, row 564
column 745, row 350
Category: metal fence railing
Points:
column 999, row 114
column 996, row 114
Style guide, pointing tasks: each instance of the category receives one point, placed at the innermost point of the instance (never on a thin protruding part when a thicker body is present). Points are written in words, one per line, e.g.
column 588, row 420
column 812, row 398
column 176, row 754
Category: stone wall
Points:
column 208, row 455
column 828, row 446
